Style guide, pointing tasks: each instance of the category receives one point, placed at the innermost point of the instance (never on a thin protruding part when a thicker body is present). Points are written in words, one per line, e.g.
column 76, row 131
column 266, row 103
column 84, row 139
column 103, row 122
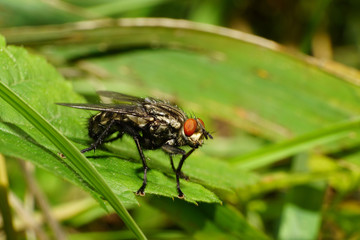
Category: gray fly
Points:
column 152, row 123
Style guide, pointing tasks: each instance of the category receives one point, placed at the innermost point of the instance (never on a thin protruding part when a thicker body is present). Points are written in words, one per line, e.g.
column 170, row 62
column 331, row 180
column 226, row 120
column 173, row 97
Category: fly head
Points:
column 193, row 132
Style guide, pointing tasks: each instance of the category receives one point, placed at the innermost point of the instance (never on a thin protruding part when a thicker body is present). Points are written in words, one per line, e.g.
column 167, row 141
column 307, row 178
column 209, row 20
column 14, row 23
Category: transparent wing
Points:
column 119, row 97
column 164, row 107
column 135, row 110
column 171, row 110
column 126, row 104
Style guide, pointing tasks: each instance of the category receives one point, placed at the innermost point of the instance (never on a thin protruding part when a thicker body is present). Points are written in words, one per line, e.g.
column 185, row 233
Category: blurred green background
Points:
column 277, row 174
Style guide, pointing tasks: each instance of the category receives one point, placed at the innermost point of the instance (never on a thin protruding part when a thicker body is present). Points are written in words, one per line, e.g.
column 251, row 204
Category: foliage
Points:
column 284, row 159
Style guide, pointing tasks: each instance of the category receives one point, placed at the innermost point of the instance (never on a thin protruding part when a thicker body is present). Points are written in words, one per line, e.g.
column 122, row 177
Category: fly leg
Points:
column 179, row 174
column 171, row 150
column 118, row 136
column 136, row 136
column 182, row 175
column 100, row 139
column 141, row 190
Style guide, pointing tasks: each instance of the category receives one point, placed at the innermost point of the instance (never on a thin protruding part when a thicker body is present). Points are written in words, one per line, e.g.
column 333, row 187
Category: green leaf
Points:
column 20, row 71
column 301, row 215
column 25, row 12
column 41, row 87
column 238, row 83
column 302, row 212
column 254, row 84
column 245, row 88
column 208, row 221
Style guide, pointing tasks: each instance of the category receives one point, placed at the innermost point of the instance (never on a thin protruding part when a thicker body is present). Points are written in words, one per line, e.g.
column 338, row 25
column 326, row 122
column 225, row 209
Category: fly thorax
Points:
column 159, row 128
column 138, row 121
column 171, row 142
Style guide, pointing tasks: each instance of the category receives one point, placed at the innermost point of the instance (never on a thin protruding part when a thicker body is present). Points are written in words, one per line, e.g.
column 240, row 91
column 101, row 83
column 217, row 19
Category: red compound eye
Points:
column 190, row 126
column 202, row 122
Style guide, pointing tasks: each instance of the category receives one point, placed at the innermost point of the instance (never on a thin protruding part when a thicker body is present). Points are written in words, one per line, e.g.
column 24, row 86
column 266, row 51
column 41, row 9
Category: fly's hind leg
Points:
column 100, row 139
column 118, row 136
column 141, row 190
column 136, row 136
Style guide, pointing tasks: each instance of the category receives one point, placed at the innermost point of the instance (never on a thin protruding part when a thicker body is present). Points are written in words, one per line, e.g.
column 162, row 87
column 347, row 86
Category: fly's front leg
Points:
column 174, row 150
column 178, row 172
column 100, row 139
column 171, row 150
column 182, row 174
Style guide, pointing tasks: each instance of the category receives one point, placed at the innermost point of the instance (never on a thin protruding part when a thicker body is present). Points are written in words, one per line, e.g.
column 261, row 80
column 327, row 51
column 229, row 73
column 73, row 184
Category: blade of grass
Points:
column 273, row 153
column 41, row 86
column 73, row 155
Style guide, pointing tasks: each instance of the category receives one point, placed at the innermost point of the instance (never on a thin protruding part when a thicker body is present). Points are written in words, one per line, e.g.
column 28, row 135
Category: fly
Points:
column 152, row 123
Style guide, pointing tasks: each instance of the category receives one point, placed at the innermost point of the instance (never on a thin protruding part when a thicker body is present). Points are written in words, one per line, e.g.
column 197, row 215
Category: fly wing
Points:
column 163, row 108
column 119, row 97
column 130, row 109
column 165, row 112
column 135, row 106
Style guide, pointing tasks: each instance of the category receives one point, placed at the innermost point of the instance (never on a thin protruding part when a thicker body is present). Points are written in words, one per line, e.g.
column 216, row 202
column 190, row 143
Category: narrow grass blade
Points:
column 273, row 153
